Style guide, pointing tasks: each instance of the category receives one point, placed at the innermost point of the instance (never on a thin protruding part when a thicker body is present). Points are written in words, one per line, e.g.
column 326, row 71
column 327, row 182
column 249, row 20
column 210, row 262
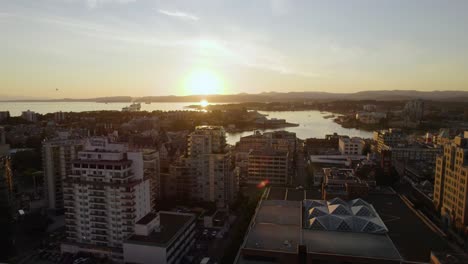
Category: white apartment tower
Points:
column 104, row 196
column 57, row 156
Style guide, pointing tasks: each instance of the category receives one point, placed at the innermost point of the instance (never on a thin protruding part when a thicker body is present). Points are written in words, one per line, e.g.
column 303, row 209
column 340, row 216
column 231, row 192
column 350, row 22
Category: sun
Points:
column 203, row 81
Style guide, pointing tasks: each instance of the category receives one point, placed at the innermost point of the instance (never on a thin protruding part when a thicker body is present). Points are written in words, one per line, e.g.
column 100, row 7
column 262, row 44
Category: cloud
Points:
column 178, row 14
column 96, row 3
column 280, row 7
column 251, row 55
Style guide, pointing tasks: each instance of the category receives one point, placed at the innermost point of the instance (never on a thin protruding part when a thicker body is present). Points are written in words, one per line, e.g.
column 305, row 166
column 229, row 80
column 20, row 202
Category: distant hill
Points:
column 385, row 95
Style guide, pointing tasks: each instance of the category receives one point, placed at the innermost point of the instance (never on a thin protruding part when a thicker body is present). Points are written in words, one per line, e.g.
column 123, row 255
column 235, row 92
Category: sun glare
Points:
column 203, row 81
column 204, row 103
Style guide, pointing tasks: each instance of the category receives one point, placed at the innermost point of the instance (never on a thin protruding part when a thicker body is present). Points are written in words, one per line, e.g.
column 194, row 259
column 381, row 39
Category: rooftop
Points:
column 351, row 244
column 277, row 227
column 171, row 224
column 355, row 216
column 146, row 219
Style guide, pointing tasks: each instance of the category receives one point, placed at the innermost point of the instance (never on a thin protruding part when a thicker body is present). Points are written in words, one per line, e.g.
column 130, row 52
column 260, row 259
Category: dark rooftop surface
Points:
column 295, row 195
column 146, row 219
column 412, row 237
column 276, row 193
column 350, row 244
column 171, row 224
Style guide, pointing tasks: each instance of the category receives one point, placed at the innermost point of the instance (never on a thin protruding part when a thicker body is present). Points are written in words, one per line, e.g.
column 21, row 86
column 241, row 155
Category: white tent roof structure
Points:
column 338, row 215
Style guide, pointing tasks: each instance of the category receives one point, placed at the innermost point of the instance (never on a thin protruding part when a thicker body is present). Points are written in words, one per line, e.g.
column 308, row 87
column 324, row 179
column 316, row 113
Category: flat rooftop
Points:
column 278, row 227
column 146, row 219
column 350, row 244
column 171, row 225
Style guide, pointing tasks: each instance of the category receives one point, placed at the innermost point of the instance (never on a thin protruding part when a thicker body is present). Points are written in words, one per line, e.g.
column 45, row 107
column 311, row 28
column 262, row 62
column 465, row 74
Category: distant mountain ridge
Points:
column 384, row 95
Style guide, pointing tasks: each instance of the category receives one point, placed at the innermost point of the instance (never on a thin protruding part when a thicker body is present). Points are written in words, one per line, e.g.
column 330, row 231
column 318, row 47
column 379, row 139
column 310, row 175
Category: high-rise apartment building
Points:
column 414, row 110
column 30, row 116
column 57, row 156
column 104, row 196
column 451, row 182
column 206, row 173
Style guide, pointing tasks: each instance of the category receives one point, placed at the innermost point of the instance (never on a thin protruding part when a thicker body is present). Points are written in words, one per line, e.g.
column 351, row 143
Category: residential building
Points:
column 4, row 147
column 451, row 183
column 205, row 173
column 104, row 196
column 414, row 110
column 369, row 107
column 280, row 140
column 29, row 116
column 4, row 115
column 319, row 146
column 414, row 152
column 317, row 231
column 390, row 138
column 268, row 165
column 60, row 116
column 351, row 146
column 370, row 118
column 163, row 237
column 151, row 171
column 57, row 157
column 344, row 184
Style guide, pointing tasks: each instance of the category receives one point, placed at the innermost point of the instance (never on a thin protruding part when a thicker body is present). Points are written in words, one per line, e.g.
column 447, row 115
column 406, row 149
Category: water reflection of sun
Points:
column 204, row 103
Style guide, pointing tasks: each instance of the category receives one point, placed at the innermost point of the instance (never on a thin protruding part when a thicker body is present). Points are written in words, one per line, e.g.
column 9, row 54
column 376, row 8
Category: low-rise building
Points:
column 163, row 237
column 370, row 118
column 351, row 146
column 317, row 231
column 414, row 152
column 343, row 183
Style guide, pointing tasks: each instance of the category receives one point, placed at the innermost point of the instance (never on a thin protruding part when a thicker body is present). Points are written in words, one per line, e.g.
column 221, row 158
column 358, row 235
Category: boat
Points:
column 135, row 107
column 329, row 116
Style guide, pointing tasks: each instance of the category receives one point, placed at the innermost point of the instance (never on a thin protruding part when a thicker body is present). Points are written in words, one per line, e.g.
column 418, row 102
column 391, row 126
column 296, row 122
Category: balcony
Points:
column 126, row 205
column 99, row 220
column 128, row 217
column 68, row 198
column 98, row 208
column 70, row 223
column 97, row 201
column 127, row 197
column 129, row 210
column 99, row 233
column 99, row 226
column 96, row 194
column 98, row 213
column 103, row 239
column 97, row 189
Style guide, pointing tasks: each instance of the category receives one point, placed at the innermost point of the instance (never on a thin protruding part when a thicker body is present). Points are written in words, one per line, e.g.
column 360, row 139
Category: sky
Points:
column 93, row 48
